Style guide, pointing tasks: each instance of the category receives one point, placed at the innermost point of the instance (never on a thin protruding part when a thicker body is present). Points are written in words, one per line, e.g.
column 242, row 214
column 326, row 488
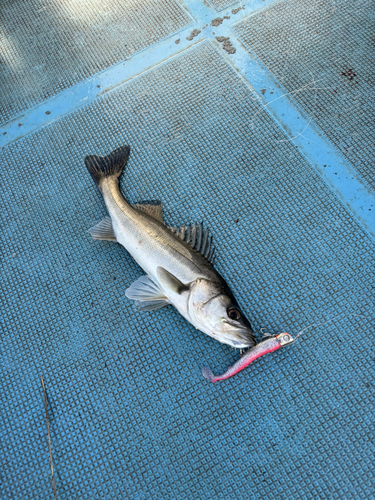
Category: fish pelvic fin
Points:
column 111, row 165
column 146, row 294
column 150, row 305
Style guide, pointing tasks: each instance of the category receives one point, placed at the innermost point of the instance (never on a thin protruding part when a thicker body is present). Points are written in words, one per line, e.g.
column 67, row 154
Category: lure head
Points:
column 213, row 310
column 284, row 339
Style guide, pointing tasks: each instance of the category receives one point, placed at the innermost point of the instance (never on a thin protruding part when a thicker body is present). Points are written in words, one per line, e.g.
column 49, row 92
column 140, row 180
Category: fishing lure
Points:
column 270, row 345
column 265, row 347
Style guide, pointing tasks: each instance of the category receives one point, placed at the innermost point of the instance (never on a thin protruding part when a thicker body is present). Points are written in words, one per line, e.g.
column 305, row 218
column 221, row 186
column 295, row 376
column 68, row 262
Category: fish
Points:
column 267, row 346
column 177, row 261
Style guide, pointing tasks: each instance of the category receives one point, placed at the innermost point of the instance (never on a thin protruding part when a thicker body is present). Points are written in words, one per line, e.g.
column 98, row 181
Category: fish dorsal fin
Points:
column 198, row 237
column 146, row 294
column 103, row 230
column 153, row 208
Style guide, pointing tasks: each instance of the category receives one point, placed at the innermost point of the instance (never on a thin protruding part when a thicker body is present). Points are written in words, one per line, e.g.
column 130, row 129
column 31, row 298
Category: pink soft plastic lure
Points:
column 269, row 345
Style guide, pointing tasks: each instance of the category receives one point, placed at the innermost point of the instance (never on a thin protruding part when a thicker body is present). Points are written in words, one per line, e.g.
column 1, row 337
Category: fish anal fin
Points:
column 152, row 208
column 146, row 294
column 103, row 230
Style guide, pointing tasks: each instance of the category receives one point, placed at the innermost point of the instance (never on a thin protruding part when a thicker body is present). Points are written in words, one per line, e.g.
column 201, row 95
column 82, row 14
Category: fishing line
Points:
column 319, row 324
column 341, row 316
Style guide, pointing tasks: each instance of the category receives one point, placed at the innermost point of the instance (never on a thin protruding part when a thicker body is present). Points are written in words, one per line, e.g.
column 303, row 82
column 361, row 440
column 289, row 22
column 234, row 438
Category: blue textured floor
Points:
column 131, row 415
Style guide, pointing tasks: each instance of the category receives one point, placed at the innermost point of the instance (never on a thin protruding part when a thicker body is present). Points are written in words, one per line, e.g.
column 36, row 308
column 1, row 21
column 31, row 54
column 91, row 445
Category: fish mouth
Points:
column 238, row 340
column 241, row 344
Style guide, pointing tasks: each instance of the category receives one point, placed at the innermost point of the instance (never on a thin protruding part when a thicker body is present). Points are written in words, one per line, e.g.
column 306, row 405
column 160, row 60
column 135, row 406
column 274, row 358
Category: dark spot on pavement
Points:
column 193, row 34
column 48, row 112
column 177, row 41
column 227, row 45
column 263, row 91
column 349, row 73
column 234, row 11
column 222, row 39
column 217, row 21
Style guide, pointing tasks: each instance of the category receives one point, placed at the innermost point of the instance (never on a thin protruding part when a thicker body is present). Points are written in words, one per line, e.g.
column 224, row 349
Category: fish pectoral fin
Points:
column 103, row 230
column 146, row 294
column 170, row 282
column 153, row 208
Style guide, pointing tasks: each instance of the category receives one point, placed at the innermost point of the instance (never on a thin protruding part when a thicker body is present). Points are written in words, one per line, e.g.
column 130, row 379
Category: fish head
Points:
column 214, row 310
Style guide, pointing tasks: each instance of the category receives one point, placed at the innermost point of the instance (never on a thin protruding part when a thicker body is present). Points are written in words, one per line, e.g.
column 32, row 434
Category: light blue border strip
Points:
column 90, row 89
column 323, row 155
column 335, row 170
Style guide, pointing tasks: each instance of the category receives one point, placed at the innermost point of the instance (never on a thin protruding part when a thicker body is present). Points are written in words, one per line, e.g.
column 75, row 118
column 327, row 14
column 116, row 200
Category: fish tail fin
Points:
column 207, row 374
column 107, row 166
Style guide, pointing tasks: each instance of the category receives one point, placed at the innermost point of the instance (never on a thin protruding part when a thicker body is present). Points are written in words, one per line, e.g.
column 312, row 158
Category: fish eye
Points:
column 234, row 313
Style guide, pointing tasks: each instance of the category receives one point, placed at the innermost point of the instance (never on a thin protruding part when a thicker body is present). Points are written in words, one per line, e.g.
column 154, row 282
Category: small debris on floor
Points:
column 217, row 21
column 193, row 34
column 227, row 45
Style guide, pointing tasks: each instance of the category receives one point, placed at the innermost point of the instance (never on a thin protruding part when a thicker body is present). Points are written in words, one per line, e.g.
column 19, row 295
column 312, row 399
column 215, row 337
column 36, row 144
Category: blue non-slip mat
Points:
column 49, row 46
column 131, row 415
column 322, row 53
column 221, row 4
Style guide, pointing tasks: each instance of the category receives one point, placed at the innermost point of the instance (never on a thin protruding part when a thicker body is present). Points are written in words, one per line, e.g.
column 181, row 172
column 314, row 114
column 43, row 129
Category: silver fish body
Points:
column 176, row 272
